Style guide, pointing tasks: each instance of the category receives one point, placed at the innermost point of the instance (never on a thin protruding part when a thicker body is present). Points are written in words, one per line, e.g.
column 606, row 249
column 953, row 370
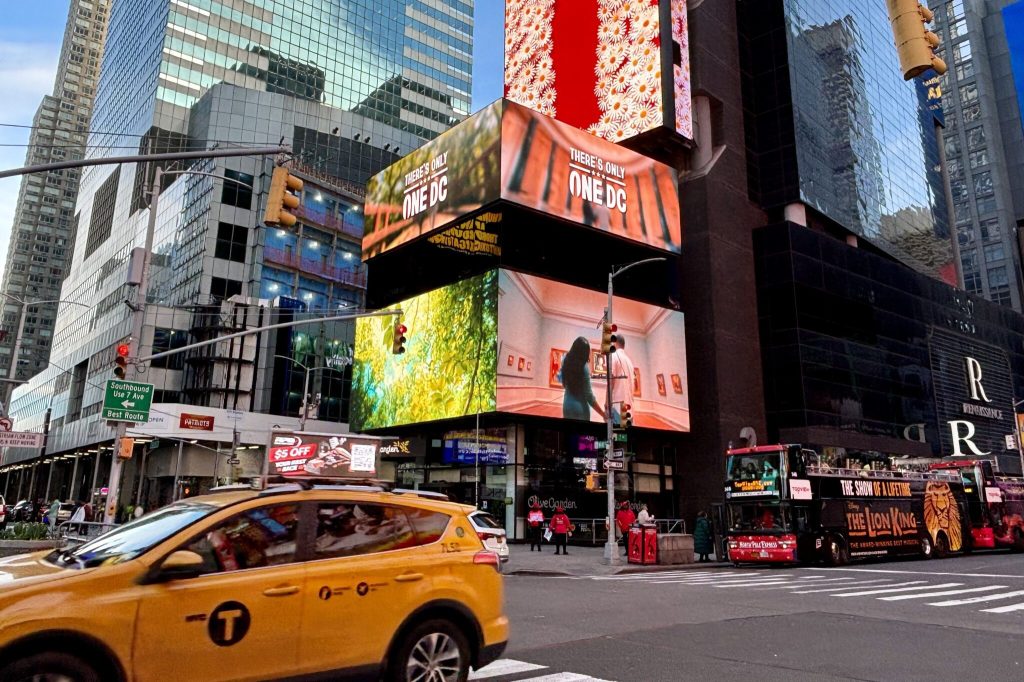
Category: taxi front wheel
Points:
column 436, row 650
column 49, row 667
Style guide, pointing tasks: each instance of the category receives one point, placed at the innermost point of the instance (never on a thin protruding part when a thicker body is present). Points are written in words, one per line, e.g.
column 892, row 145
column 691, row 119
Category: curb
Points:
column 539, row 573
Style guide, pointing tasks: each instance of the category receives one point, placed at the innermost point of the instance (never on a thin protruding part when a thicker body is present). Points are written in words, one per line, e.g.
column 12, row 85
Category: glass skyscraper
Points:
column 351, row 85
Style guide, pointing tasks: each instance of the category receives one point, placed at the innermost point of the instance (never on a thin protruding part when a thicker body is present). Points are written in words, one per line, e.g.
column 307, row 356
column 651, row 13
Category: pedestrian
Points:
column 703, row 537
column 644, row 518
column 624, row 518
column 535, row 525
column 560, row 527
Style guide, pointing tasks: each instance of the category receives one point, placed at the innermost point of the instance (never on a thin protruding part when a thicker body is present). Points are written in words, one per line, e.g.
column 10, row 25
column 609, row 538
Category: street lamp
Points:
column 305, row 385
column 611, row 554
column 12, row 372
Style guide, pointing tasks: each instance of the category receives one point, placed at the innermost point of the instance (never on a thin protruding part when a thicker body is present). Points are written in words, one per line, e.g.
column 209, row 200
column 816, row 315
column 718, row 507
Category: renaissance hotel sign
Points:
column 509, row 153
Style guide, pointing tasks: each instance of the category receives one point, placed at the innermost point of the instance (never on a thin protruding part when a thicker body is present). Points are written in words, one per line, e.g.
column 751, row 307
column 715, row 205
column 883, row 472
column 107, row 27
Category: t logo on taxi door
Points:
column 228, row 623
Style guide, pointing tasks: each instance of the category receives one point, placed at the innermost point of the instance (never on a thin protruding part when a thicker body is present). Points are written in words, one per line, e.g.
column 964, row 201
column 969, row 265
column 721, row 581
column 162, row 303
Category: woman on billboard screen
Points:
column 575, row 377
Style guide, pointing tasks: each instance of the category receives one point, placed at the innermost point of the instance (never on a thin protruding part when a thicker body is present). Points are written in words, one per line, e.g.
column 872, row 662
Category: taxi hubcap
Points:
column 435, row 658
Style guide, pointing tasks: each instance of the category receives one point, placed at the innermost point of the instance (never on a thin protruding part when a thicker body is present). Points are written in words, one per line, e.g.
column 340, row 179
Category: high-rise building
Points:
column 44, row 224
column 984, row 143
column 349, row 84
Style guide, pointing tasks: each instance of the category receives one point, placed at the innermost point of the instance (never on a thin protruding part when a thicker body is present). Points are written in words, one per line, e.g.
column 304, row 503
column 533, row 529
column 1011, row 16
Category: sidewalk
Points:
column 580, row 561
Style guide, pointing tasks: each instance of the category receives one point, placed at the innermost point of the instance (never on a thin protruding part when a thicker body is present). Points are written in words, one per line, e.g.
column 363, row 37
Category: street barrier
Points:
column 73, row 534
column 593, row 531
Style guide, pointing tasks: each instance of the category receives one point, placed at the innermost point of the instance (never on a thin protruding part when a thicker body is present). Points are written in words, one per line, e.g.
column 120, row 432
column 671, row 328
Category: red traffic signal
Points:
column 121, row 360
column 398, row 339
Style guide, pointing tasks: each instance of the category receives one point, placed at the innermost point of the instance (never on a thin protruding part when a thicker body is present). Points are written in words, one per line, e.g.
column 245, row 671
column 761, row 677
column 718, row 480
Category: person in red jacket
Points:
column 624, row 518
column 560, row 527
column 535, row 525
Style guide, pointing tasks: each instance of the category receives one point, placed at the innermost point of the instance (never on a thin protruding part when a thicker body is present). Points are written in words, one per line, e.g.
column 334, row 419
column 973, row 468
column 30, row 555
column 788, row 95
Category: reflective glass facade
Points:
column 863, row 354
column 833, row 125
column 350, row 84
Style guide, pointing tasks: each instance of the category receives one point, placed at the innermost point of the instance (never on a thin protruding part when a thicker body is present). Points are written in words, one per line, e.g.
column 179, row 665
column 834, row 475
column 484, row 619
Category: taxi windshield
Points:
column 132, row 539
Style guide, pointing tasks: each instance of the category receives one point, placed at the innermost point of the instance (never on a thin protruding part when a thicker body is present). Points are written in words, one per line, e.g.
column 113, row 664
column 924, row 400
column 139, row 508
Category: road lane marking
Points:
column 945, row 593
column 779, row 581
column 563, row 677
column 897, row 588
column 803, row 583
column 978, row 600
column 1005, row 609
column 846, row 586
column 504, row 666
column 881, row 570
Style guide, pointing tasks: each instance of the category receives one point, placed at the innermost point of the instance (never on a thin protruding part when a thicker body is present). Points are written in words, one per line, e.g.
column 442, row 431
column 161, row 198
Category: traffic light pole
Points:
column 611, row 552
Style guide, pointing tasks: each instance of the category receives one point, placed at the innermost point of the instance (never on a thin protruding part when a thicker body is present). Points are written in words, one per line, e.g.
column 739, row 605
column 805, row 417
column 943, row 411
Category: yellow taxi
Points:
column 295, row 582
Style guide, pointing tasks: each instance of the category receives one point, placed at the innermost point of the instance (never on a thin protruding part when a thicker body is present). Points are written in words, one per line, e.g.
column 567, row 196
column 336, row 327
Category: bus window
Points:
column 757, row 517
column 754, row 466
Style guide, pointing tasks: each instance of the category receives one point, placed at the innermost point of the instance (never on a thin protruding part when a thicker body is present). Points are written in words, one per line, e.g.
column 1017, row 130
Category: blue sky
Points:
column 30, row 37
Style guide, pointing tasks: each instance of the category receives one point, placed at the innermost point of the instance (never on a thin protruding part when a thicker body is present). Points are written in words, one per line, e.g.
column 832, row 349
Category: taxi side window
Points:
column 429, row 525
column 355, row 528
column 259, row 537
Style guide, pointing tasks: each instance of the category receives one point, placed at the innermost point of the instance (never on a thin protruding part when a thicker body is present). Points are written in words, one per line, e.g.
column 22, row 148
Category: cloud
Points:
column 27, row 70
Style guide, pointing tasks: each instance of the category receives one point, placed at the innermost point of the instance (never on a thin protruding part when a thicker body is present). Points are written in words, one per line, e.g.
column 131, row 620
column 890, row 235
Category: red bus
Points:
column 783, row 506
column 996, row 503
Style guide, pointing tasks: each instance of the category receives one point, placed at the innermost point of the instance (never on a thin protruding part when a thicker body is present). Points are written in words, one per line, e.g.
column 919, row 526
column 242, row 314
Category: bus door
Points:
column 719, row 524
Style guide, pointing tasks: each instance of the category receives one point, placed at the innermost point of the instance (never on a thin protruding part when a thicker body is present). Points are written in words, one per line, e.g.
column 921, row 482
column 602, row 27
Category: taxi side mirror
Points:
column 180, row 565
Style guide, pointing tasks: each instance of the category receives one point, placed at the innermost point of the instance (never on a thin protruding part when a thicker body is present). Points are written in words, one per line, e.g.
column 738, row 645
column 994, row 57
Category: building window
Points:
column 968, row 93
column 983, row 184
column 972, row 113
column 990, row 229
column 965, row 71
column 221, row 288
column 231, row 242
column 994, row 252
column 986, row 206
column 954, row 9
column 958, row 28
column 979, row 158
column 962, row 52
column 972, row 282
column 969, row 259
column 975, row 138
column 235, row 194
column 1001, row 296
column 952, row 146
column 997, row 277
column 169, row 339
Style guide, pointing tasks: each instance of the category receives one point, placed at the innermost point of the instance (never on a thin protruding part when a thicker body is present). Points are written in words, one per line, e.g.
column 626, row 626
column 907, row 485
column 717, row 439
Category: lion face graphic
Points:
column 941, row 514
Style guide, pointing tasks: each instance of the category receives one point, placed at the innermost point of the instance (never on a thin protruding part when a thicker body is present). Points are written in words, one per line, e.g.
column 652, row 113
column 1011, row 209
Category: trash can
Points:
column 643, row 545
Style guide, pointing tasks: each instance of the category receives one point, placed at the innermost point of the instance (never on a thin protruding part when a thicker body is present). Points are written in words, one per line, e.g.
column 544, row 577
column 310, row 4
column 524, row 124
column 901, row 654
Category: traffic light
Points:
column 121, row 360
column 398, row 339
column 627, row 416
column 607, row 336
column 282, row 198
column 914, row 42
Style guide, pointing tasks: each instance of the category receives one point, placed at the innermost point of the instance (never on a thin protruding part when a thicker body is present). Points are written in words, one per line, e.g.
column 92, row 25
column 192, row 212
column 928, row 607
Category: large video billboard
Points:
column 550, row 364
column 509, row 342
column 448, row 367
column 605, row 66
column 512, row 153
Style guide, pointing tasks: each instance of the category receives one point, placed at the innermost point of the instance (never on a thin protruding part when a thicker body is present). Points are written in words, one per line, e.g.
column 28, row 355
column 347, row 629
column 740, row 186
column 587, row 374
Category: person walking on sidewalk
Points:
column 703, row 537
column 624, row 518
column 535, row 525
column 560, row 526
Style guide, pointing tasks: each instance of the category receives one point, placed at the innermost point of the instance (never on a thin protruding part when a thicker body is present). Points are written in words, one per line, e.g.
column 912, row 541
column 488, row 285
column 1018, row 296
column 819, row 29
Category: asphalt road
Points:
column 908, row 620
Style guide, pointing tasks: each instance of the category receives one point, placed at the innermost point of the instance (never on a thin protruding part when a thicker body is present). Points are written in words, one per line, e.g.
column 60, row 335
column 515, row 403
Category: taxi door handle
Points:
column 408, row 577
column 282, row 591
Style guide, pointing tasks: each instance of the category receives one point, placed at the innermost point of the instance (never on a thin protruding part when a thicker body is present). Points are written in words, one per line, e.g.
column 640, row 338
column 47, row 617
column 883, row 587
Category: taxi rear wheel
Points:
column 49, row 667
column 435, row 651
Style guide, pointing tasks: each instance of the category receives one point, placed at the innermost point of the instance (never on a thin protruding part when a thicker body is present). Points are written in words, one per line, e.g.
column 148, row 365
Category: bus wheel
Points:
column 1018, row 540
column 837, row 554
column 941, row 546
column 926, row 547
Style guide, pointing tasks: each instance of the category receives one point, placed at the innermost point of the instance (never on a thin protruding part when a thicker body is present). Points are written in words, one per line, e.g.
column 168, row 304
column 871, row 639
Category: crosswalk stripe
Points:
column 800, row 583
column 944, row 593
column 777, row 581
column 978, row 600
column 646, row 577
column 846, row 586
column 897, row 588
column 563, row 677
column 1005, row 609
column 504, row 666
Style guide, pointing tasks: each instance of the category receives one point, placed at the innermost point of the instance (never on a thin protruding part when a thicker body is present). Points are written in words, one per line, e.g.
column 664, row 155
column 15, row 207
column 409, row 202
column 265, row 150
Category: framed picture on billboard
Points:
column 661, row 384
column 636, row 382
column 598, row 364
column 677, row 384
column 516, row 363
column 555, row 366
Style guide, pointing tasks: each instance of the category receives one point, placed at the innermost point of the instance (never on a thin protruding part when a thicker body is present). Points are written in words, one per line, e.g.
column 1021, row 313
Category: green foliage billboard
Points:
column 448, row 369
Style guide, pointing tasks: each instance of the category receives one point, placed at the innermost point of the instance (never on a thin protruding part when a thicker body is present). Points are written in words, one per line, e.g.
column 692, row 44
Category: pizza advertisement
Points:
column 295, row 454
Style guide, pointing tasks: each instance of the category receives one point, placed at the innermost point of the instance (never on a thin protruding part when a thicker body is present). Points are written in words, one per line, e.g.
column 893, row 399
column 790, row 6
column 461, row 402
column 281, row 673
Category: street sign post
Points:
column 127, row 401
column 20, row 439
column 613, row 464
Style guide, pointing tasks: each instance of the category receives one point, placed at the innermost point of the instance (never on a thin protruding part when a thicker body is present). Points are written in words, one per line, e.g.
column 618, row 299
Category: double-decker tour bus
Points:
column 996, row 503
column 783, row 506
